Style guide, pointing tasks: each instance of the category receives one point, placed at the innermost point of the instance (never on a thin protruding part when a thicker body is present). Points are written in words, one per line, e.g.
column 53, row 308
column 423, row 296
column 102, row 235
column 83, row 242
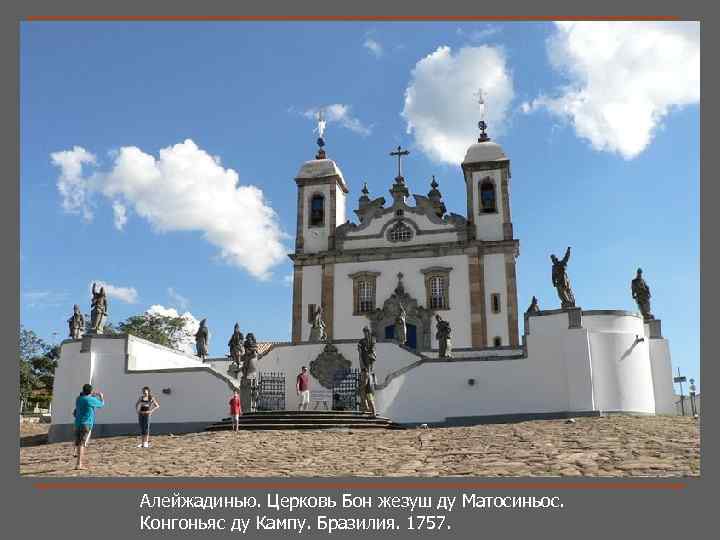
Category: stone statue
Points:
column 443, row 337
column 250, row 357
column 641, row 294
column 534, row 307
column 76, row 323
column 202, row 340
column 401, row 325
column 98, row 309
column 560, row 280
column 317, row 332
column 366, row 348
column 236, row 351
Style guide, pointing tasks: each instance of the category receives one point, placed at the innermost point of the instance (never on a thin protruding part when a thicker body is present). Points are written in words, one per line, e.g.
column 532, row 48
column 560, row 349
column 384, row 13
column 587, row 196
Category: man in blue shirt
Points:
column 85, row 406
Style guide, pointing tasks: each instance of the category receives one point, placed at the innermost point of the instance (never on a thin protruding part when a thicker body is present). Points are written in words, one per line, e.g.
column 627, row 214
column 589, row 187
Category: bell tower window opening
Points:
column 488, row 198
column 317, row 211
column 497, row 341
column 400, row 232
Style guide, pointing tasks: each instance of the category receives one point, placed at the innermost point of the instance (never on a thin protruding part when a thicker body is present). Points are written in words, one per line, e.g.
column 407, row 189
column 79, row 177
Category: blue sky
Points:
column 601, row 123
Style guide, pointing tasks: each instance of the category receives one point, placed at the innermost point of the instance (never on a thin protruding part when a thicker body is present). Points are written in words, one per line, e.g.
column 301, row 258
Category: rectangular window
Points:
column 495, row 302
column 364, row 292
column 311, row 312
column 437, row 292
column 437, row 287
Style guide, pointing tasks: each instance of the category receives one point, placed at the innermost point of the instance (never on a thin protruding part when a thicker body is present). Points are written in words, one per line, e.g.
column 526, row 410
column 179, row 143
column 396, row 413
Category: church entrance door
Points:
column 411, row 334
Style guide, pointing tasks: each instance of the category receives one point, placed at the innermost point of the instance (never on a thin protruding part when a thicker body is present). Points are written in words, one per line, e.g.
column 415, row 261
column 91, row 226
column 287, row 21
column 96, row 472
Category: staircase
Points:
column 307, row 420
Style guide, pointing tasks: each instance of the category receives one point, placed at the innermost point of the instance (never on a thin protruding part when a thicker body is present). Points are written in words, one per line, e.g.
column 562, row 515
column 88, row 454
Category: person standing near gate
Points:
column 235, row 409
column 302, row 386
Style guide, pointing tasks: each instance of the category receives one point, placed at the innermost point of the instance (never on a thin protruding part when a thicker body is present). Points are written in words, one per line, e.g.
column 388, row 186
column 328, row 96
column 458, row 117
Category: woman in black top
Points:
column 145, row 406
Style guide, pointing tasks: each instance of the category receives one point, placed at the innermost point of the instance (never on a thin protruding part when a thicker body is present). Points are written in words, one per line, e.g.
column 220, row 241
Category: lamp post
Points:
column 681, row 379
column 692, row 397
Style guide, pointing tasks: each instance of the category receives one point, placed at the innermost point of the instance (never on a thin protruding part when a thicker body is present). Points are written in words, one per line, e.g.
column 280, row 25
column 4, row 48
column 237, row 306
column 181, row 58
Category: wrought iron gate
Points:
column 345, row 391
column 271, row 391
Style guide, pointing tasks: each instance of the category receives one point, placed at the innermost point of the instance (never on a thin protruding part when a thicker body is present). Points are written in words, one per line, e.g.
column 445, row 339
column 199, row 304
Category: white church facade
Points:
column 416, row 256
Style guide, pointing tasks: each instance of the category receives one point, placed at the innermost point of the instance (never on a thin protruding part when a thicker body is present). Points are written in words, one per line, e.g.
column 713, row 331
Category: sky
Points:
column 159, row 157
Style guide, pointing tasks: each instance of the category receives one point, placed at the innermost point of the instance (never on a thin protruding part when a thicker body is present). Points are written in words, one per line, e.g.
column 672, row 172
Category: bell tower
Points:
column 493, row 298
column 321, row 197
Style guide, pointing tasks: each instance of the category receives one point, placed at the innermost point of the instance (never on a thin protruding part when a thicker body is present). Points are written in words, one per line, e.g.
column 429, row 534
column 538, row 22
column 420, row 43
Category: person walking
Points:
column 85, row 406
column 235, row 409
column 302, row 386
column 145, row 406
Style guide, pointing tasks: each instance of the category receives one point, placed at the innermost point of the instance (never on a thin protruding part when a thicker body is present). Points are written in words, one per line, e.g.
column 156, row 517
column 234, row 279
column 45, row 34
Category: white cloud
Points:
column 129, row 295
column 185, row 189
column 340, row 114
column 191, row 325
column 178, row 299
column 623, row 79
column 35, row 299
column 119, row 215
column 288, row 280
column 441, row 108
column 374, row 47
column 479, row 34
column 72, row 184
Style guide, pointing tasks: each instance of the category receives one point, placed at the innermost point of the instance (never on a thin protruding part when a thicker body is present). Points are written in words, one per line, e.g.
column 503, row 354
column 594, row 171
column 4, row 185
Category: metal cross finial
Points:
column 400, row 276
column 399, row 153
column 481, row 124
column 321, row 123
column 434, row 183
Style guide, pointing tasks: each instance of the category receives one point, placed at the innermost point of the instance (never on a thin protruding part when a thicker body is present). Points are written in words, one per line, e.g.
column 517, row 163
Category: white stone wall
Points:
column 621, row 365
column 340, row 208
column 348, row 326
column 316, row 238
column 311, row 294
column 197, row 395
column 488, row 226
column 662, row 375
column 496, row 282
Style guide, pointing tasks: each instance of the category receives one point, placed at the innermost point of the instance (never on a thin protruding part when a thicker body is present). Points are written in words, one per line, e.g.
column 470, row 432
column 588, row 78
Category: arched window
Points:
column 488, row 199
column 317, row 211
column 437, row 287
column 364, row 287
column 497, row 341
column 495, row 303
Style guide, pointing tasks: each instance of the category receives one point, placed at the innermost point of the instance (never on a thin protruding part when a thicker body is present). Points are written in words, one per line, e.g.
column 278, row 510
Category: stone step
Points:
column 295, row 426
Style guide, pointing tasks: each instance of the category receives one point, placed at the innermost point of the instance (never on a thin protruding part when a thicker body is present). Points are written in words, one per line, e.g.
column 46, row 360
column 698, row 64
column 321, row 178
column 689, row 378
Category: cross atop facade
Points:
column 399, row 153
column 481, row 124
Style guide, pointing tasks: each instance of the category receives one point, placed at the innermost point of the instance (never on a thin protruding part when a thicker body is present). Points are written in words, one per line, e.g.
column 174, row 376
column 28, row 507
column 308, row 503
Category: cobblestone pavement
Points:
column 610, row 446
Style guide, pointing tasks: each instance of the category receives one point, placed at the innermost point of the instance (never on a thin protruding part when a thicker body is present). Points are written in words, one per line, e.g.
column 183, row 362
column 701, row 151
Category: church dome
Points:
column 484, row 151
column 319, row 168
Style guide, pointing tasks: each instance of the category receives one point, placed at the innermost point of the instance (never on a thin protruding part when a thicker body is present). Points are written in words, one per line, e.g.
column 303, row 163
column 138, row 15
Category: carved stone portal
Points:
column 330, row 367
column 415, row 314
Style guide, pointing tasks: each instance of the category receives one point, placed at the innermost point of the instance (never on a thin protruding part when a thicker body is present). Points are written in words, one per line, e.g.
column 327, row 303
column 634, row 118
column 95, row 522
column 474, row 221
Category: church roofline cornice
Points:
column 324, row 180
column 440, row 249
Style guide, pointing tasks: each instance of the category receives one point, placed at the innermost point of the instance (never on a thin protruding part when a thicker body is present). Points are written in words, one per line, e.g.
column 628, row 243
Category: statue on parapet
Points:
column 641, row 294
column 366, row 348
column 236, row 351
column 250, row 357
column 76, row 323
column 443, row 337
column 98, row 309
column 317, row 332
column 401, row 325
column 561, row 282
column 202, row 339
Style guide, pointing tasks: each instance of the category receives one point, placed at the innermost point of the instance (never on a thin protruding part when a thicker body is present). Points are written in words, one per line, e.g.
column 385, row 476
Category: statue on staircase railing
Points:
column 317, row 332
column 443, row 337
column 366, row 348
column 236, row 351
column 202, row 339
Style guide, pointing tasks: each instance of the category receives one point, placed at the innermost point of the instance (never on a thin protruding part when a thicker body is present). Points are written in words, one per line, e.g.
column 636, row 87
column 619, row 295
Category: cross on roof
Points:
column 399, row 153
column 481, row 124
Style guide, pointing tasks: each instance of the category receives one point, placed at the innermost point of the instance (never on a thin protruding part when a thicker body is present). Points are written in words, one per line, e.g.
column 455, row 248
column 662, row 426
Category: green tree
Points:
column 160, row 329
column 38, row 361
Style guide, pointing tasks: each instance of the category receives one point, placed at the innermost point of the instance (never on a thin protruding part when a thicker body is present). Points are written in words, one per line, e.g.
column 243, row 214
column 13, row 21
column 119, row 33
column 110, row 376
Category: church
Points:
column 407, row 258
column 461, row 267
